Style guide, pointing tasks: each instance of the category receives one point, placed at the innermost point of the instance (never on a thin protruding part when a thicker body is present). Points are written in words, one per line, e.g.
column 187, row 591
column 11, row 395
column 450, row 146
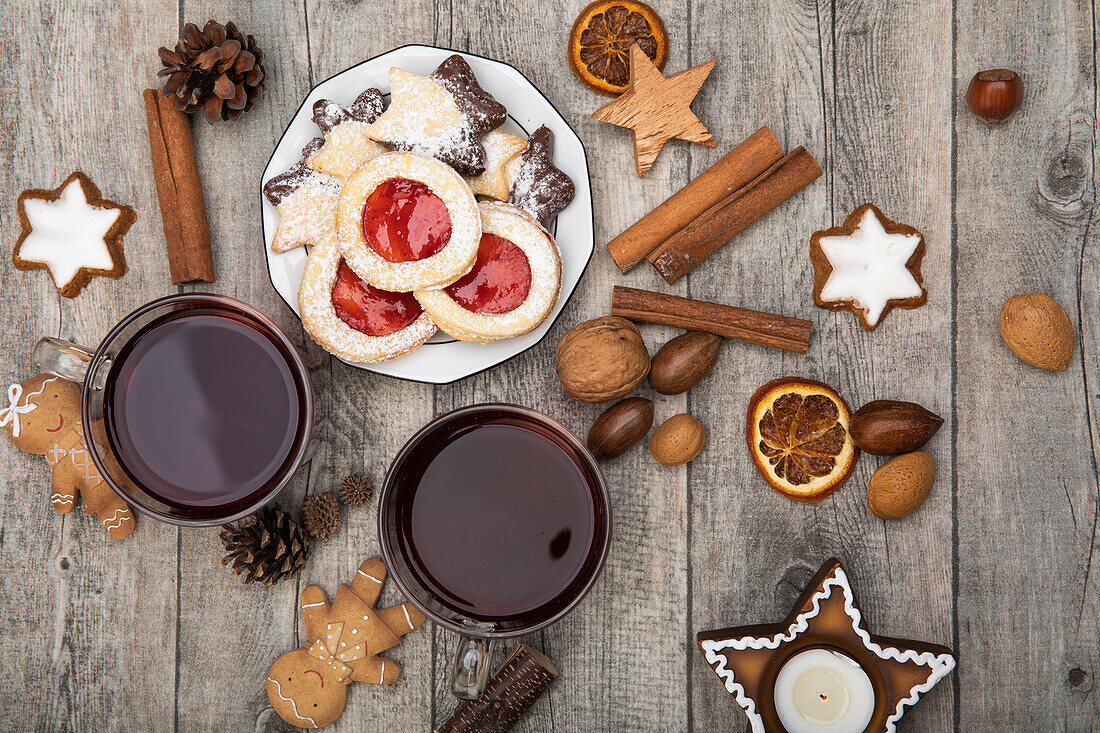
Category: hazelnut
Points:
column 602, row 359
column 678, row 440
column 994, row 95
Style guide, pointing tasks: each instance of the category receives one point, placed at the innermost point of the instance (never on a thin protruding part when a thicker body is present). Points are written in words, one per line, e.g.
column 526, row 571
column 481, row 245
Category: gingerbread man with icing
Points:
column 42, row 416
column 308, row 687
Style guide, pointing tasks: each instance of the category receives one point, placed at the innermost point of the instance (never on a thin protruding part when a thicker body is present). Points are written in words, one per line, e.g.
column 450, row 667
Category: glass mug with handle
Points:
column 495, row 522
column 196, row 408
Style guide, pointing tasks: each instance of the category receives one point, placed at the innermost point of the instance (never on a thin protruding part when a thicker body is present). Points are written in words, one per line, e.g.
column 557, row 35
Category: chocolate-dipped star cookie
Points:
column 820, row 669
column 538, row 187
column 306, row 200
column 443, row 116
column 347, row 133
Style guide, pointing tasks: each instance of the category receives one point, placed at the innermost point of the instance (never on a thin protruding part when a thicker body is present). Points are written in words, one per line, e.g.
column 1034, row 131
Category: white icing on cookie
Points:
column 321, row 322
column 441, row 269
column 940, row 665
column 368, row 575
column 869, row 267
column 518, row 227
column 293, row 705
column 67, row 235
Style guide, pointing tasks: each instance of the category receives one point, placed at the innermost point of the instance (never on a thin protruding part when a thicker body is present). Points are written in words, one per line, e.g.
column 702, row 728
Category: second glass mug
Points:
column 92, row 369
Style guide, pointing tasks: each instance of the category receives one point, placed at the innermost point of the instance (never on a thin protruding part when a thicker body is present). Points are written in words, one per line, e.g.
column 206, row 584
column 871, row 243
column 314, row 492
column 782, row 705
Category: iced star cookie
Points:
column 347, row 133
column 443, row 116
column 405, row 222
column 513, row 284
column 352, row 319
column 536, row 185
column 73, row 232
column 306, row 201
column 500, row 149
column 869, row 266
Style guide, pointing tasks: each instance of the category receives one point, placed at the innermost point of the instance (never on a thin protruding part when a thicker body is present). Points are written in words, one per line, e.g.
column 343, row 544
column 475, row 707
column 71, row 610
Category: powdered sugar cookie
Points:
column 352, row 319
column 512, row 287
column 347, row 133
column 535, row 184
column 443, row 116
column 500, row 149
column 306, row 201
column 405, row 222
column 73, row 232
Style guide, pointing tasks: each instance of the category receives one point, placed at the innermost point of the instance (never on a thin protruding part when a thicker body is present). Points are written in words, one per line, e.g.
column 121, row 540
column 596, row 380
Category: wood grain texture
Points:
column 1026, row 521
column 152, row 634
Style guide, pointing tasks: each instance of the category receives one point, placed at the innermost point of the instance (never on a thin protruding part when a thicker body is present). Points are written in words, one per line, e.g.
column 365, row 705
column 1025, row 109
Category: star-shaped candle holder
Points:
column 658, row 108
column 820, row 670
column 869, row 266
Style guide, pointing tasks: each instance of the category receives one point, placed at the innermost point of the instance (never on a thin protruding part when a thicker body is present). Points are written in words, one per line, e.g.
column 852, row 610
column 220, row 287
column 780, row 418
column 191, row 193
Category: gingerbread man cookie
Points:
column 308, row 687
column 43, row 417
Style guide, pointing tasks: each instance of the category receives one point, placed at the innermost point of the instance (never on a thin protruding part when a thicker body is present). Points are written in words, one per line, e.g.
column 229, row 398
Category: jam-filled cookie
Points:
column 513, row 284
column 354, row 320
column 405, row 222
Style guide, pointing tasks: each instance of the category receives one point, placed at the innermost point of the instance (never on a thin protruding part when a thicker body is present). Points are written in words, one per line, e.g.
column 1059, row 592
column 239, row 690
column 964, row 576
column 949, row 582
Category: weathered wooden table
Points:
column 151, row 633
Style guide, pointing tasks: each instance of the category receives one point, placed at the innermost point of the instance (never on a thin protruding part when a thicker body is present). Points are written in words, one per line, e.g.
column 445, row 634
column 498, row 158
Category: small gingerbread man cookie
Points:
column 308, row 687
column 42, row 417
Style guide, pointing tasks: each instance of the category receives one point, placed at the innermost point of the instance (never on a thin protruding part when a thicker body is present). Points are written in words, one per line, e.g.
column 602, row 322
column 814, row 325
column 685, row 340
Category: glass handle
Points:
column 471, row 667
column 62, row 359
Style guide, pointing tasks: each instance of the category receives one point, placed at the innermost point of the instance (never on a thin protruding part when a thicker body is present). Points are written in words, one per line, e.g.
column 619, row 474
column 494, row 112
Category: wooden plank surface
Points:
column 152, row 634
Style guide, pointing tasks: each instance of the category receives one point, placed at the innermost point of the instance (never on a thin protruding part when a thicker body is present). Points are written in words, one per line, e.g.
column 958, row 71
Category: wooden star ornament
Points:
column 658, row 108
column 759, row 668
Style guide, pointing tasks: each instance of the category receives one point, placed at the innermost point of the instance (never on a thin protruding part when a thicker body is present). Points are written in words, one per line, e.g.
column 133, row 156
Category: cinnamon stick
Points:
column 756, row 327
column 735, row 169
column 685, row 249
column 520, row 681
column 179, row 190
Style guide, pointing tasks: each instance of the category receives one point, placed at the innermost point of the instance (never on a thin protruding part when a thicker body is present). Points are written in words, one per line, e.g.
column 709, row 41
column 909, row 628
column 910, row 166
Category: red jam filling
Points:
column 499, row 281
column 370, row 310
column 404, row 221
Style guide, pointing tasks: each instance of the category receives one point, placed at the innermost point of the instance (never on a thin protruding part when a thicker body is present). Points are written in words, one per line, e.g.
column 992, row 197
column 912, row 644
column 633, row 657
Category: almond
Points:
column 678, row 440
column 620, row 426
column 890, row 427
column 900, row 486
column 682, row 362
column 1038, row 330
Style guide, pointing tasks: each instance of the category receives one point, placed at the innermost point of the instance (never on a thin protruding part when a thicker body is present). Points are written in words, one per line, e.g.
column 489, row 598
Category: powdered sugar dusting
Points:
column 521, row 229
column 500, row 148
column 306, row 217
column 347, row 146
column 367, row 108
column 537, row 186
column 300, row 175
column 325, row 327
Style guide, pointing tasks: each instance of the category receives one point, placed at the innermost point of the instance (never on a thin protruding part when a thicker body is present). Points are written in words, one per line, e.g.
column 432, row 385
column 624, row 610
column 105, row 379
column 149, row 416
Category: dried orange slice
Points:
column 600, row 42
column 798, row 437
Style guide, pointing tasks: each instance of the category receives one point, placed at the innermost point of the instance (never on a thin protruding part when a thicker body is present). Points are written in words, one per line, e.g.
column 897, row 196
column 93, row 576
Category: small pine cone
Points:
column 265, row 547
column 321, row 513
column 356, row 490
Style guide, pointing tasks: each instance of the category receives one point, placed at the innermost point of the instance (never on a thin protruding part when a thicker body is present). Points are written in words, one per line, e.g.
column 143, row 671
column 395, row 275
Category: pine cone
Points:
column 218, row 70
column 356, row 490
column 321, row 513
column 266, row 547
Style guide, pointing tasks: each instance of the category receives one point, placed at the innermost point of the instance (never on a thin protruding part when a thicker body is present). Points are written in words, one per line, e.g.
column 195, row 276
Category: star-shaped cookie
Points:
column 750, row 659
column 306, row 201
column 658, row 108
column 869, row 266
column 73, row 232
column 442, row 116
column 347, row 133
column 536, row 185
column 500, row 149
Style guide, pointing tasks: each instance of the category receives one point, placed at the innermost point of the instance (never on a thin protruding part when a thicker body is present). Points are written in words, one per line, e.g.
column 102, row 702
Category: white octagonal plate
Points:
column 444, row 359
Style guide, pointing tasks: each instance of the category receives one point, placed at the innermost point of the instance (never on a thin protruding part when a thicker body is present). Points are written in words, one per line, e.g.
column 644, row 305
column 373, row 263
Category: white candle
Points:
column 823, row 691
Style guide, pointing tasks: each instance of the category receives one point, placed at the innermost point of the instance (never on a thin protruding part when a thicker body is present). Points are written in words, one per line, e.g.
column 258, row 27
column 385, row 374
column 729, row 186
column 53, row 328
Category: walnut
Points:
column 602, row 359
